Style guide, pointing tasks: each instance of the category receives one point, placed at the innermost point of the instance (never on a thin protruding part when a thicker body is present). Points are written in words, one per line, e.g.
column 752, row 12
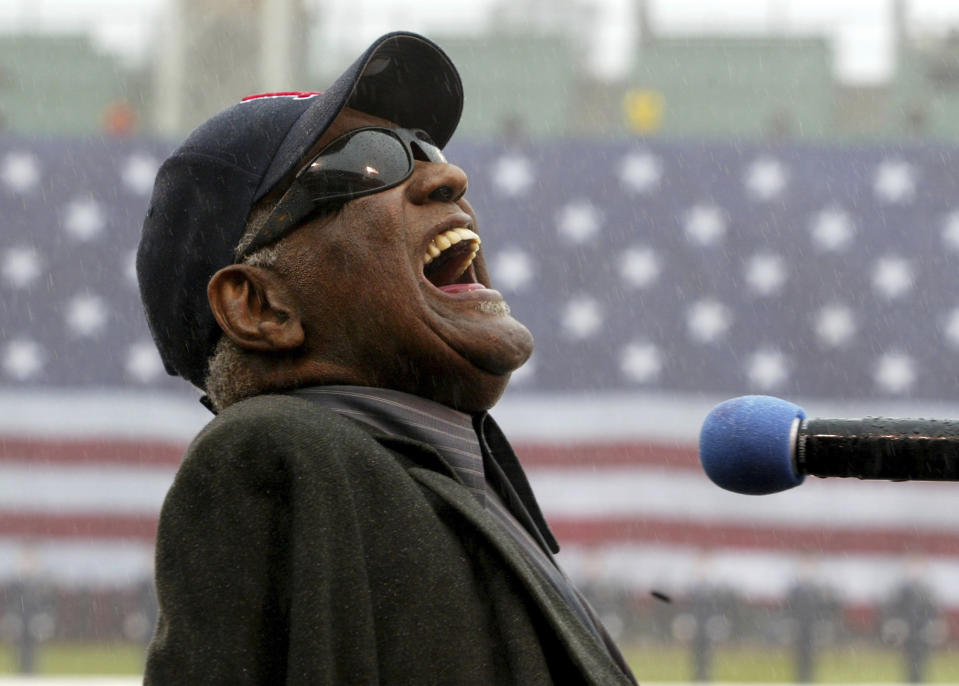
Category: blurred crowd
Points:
column 706, row 618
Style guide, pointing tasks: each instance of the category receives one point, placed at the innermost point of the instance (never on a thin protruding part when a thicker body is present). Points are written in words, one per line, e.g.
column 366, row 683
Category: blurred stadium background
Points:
column 683, row 204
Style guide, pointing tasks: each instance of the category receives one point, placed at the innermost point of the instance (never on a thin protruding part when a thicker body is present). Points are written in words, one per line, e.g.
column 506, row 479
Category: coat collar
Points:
column 507, row 466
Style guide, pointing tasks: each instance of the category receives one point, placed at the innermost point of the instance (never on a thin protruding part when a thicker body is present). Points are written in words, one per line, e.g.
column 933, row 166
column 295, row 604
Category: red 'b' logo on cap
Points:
column 299, row 95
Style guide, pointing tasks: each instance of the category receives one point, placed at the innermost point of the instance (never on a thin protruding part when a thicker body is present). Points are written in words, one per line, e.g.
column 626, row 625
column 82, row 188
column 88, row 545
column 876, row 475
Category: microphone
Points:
column 757, row 444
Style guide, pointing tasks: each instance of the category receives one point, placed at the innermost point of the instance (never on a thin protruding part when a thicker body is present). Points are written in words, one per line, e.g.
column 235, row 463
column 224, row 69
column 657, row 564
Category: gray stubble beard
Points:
column 499, row 308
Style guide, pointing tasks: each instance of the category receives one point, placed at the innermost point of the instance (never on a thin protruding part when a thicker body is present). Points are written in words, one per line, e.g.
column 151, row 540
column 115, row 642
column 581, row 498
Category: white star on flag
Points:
column 578, row 221
column 21, row 172
column 951, row 327
column 512, row 175
column 950, row 230
column 895, row 372
column 892, row 276
column 23, row 359
column 86, row 315
column 582, row 317
column 139, row 173
column 767, row 369
column 641, row 362
column 21, row 266
column 765, row 273
column 83, row 219
column 640, row 172
column 895, row 181
column 765, row 178
column 831, row 229
column 512, row 269
column 143, row 362
column 707, row 320
column 639, row 266
column 705, row 225
column 130, row 267
column 834, row 325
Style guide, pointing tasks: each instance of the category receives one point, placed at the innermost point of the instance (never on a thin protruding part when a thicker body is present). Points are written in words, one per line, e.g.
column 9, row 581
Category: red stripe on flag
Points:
column 590, row 532
column 86, row 526
column 605, row 531
column 169, row 453
column 86, row 451
column 612, row 454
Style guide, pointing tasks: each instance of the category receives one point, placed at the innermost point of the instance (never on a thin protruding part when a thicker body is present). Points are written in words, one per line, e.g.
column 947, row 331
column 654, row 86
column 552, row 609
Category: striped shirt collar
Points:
column 449, row 431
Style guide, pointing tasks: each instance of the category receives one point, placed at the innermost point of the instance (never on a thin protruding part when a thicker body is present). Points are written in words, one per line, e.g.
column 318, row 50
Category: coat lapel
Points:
column 580, row 643
column 415, row 453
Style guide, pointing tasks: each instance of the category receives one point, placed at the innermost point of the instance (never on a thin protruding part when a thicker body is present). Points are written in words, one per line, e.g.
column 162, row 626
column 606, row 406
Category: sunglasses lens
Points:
column 365, row 162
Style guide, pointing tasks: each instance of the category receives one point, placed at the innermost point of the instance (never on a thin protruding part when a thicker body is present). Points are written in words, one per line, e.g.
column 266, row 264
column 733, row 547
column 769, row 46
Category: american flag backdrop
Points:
column 658, row 277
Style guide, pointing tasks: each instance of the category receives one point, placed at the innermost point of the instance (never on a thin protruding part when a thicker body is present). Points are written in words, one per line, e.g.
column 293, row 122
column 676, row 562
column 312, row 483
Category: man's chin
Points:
column 498, row 350
column 481, row 389
column 468, row 386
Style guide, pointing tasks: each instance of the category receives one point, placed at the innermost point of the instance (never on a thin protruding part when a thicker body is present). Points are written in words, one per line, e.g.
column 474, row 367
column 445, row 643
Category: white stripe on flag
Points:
column 106, row 489
column 682, row 494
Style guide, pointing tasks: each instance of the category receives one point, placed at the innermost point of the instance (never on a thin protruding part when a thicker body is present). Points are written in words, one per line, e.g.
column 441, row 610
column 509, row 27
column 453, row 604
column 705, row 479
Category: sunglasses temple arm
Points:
column 295, row 204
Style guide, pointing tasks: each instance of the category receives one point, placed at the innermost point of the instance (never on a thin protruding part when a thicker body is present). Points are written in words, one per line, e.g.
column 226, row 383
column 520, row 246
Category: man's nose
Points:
column 437, row 182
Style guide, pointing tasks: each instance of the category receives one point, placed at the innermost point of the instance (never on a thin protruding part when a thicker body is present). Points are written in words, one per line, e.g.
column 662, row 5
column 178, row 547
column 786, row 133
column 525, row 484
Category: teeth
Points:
column 450, row 238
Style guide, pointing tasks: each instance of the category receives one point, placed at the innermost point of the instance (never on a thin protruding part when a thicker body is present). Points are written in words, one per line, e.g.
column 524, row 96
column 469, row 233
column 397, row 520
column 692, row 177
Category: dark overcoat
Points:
column 297, row 546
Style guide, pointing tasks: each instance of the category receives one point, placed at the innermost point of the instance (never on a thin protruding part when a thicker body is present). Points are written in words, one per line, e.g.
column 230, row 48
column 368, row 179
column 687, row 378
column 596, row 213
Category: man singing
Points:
column 352, row 514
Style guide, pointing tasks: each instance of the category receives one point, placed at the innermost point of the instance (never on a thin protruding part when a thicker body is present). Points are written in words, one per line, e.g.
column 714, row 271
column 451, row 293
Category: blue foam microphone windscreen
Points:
column 746, row 444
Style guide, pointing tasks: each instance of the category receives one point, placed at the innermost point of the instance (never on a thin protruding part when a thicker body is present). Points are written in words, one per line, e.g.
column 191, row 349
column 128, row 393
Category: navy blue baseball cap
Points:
column 205, row 190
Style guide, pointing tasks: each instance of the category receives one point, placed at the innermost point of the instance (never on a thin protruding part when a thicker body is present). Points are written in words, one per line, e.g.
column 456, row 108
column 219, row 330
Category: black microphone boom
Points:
column 879, row 448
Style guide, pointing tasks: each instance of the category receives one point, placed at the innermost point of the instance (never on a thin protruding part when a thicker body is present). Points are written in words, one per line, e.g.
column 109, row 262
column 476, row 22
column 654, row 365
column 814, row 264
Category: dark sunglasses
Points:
column 358, row 163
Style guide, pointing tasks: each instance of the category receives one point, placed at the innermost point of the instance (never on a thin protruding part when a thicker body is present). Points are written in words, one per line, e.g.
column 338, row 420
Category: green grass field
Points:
column 80, row 659
column 651, row 663
column 851, row 664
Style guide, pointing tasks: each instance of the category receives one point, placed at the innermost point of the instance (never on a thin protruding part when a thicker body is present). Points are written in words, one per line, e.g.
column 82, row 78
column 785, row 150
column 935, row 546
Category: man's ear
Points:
column 254, row 308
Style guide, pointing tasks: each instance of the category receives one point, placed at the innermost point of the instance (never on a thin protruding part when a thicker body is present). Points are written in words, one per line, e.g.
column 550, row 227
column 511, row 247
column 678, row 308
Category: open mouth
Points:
column 448, row 262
